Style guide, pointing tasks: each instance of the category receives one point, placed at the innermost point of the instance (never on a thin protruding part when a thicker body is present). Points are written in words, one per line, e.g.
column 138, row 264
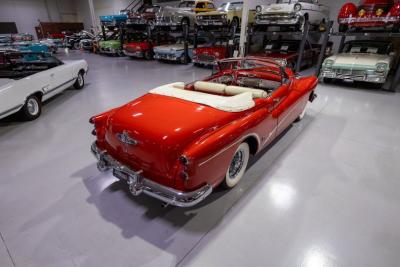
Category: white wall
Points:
column 26, row 13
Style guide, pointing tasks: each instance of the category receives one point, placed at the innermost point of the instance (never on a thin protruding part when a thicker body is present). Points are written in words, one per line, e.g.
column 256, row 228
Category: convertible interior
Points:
column 20, row 65
column 232, row 91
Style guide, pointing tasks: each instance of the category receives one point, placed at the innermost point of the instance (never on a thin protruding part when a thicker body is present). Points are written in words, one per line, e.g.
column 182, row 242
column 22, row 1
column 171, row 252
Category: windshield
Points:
column 186, row 4
column 367, row 47
column 231, row 6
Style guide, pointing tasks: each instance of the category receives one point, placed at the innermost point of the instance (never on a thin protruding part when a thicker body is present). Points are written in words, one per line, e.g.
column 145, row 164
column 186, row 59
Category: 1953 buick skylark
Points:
column 179, row 141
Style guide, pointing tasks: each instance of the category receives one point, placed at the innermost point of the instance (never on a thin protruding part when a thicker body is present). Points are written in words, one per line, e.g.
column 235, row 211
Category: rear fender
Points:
column 210, row 155
column 395, row 10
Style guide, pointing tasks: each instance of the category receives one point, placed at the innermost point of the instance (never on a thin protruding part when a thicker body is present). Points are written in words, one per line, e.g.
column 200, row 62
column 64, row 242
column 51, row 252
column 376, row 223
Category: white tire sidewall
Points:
column 232, row 182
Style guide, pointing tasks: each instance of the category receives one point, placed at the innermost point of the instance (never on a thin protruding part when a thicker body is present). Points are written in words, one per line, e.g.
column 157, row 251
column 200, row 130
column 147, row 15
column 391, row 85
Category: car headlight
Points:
column 224, row 16
column 282, row 62
column 258, row 9
column 200, row 17
column 381, row 67
column 297, row 7
column 216, row 54
column 329, row 63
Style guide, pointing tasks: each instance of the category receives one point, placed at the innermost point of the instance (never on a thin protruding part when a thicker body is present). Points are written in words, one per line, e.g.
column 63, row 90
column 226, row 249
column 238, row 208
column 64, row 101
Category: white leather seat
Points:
column 228, row 89
column 236, row 103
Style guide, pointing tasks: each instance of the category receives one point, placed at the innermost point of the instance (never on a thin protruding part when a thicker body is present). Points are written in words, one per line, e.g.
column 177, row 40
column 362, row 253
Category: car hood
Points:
column 110, row 43
column 358, row 60
column 163, row 127
column 278, row 8
column 170, row 48
column 216, row 12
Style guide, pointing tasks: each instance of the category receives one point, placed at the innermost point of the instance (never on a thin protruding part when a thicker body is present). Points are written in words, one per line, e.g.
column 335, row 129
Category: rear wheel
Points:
column 238, row 166
column 32, row 108
column 76, row 46
column 148, row 55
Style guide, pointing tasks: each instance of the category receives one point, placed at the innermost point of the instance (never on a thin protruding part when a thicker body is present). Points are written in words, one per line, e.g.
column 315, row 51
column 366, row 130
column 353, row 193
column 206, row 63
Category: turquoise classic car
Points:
column 113, row 20
column 31, row 46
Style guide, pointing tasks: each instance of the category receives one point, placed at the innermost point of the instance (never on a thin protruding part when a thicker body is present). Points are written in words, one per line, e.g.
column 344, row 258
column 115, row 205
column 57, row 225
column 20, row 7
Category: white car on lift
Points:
column 293, row 13
column 27, row 79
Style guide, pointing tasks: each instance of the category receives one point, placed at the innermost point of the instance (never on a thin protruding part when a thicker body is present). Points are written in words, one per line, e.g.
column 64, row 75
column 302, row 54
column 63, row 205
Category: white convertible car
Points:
column 27, row 79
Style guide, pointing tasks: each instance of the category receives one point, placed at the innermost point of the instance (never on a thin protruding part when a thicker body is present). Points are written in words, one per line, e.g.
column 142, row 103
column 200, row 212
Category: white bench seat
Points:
column 236, row 103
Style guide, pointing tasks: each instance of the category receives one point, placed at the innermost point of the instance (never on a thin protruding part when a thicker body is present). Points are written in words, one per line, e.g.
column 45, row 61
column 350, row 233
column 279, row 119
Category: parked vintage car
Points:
column 228, row 14
column 292, row 13
column 370, row 14
column 179, row 142
column 113, row 20
column 143, row 16
column 22, row 37
column 185, row 13
column 31, row 46
column 5, row 40
column 111, row 47
column 174, row 52
column 361, row 61
column 27, row 79
column 73, row 41
column 286, row 52
column 210, row 54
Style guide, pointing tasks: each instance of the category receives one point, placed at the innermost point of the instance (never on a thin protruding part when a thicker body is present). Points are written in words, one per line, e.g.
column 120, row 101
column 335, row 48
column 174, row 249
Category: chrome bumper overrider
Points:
column 277, row 20
column 138, row 184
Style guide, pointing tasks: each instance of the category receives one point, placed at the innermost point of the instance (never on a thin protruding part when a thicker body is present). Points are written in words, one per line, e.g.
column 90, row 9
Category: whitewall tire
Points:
column 237, row 166
column 32, row 108
column 302, row 114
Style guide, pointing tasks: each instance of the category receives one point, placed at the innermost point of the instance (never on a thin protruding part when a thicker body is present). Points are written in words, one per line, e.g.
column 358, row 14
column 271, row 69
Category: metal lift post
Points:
column 302, row 46
column 323, row 47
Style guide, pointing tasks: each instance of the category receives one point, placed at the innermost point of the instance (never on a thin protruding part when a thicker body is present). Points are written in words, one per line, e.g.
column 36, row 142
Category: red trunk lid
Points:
column 163, row 126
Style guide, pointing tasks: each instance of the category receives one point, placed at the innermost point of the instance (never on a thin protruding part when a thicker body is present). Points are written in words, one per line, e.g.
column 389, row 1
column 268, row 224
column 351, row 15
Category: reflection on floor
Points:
column 326, row 193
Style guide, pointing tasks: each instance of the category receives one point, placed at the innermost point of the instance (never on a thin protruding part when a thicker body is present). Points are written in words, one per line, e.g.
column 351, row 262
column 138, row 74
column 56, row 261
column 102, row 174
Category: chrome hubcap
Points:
column 33, row 107
column 236, row 164
column 80, row 79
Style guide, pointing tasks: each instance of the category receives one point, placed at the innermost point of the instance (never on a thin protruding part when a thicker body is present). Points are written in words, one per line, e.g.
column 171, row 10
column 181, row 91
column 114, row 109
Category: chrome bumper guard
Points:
column 138, row 184
column 371, row 78
column 134, row 54
column 280, row 19
column 371, row 20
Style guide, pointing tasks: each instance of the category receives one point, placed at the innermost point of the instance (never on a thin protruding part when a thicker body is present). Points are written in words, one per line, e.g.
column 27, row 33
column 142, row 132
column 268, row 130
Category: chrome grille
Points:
column 206, row 58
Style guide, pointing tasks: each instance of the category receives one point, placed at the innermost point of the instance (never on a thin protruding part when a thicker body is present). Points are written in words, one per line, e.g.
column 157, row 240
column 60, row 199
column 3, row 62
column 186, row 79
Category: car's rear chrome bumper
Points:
column 138, row 184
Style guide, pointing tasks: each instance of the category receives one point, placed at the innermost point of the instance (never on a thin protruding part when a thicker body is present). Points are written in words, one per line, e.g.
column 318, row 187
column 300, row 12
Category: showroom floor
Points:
column 327, row 193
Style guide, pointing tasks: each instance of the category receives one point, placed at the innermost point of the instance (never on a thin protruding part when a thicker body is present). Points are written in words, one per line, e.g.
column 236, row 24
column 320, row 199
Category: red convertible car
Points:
column 209, row 54
column 370, row 14
column 178, row 142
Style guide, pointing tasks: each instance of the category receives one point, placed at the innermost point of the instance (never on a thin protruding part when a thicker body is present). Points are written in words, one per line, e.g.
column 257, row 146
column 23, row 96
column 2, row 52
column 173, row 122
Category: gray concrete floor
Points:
column 326, row 193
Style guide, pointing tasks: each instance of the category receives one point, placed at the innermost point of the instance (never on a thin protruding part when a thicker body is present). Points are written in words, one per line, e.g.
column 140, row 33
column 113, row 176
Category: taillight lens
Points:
column 361, row 13
column 379, row 12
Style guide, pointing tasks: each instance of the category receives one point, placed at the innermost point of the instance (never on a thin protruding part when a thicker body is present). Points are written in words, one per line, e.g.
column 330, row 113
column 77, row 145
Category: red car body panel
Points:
column 209, row 55
column 167, row 128
column 370, row 13
column 138, row 46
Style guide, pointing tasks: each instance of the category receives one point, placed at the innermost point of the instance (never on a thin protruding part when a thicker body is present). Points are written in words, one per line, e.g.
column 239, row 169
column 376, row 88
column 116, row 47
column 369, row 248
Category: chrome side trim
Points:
column 61, row 85
column 231, row 145
column 142, row 185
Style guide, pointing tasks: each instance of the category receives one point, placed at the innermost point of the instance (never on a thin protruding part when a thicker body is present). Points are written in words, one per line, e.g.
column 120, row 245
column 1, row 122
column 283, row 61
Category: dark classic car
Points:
column 286, row 52
column 143, row 16
column 178, row 142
